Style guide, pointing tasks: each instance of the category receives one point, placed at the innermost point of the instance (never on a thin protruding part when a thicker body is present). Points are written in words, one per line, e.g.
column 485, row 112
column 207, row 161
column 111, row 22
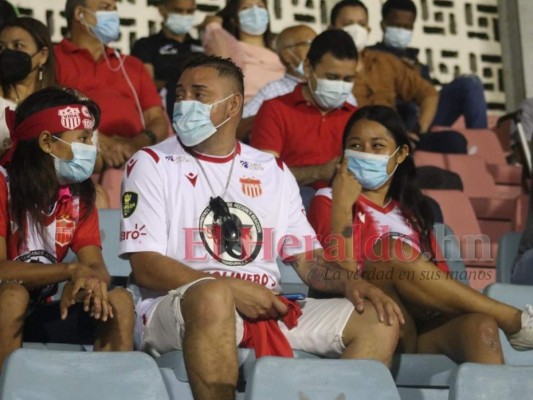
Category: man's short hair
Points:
column 335, row 11
column 334, row 41
column 224, row 66
column 70, row 6
column 402, row 5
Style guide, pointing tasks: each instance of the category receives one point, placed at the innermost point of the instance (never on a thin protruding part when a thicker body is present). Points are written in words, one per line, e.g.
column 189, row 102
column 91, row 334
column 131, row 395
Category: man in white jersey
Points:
column 204, row 218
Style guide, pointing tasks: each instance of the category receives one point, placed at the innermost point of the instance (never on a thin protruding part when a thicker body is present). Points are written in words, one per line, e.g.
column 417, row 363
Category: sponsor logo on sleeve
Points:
column 129, row 203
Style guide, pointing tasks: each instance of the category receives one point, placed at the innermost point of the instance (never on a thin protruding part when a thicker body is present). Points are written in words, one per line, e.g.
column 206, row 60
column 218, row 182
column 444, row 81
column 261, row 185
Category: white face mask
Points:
column 397, row 37
column 179, row 24
column 330, row 94
column 359, row 35
column 299, row 69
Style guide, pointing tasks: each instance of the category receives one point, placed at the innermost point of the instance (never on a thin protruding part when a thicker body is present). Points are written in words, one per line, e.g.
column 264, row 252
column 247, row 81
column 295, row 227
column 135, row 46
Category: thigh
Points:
column 45, row 325
column 321, row 326
column 165, row 327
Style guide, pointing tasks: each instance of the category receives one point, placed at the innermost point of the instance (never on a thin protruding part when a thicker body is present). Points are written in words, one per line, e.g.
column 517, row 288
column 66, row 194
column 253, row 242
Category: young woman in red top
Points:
column 374, row 221
column 46, row 207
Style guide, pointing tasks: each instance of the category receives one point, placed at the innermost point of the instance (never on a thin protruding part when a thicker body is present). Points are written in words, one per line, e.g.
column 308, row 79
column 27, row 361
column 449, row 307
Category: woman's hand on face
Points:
column 346, row 189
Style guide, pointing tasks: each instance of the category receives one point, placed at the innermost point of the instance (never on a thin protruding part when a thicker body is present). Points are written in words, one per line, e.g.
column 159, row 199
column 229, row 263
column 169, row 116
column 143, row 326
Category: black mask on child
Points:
column 14, row 66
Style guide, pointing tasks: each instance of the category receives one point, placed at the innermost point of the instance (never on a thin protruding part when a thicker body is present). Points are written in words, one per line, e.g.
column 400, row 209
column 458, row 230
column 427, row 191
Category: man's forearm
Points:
column 321, row 276
column 307, row 175
column 428, row 109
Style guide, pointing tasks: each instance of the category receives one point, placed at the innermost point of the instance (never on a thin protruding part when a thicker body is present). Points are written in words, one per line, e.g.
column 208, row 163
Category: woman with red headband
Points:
column 47, row 207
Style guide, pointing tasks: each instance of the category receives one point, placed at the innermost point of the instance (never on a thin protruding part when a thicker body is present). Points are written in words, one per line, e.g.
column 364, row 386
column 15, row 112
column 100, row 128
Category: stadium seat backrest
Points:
column 64, row 375
column 110, row 234
column 481, row 382
column 507, row 251
column 276, row 378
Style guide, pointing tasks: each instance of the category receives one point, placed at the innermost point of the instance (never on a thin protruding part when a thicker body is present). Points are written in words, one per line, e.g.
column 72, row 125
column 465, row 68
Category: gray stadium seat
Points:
column 507, row 251
column 492, row 382
column 518, row 296
column 62, row 375
column 276, row 378
column 290, row 281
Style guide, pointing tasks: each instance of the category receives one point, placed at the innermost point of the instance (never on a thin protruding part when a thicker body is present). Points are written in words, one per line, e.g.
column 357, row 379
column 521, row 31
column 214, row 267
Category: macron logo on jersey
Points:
column 192, row 178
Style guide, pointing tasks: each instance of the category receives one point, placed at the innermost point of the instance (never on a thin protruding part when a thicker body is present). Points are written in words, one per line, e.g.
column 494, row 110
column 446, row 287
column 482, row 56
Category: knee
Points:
column 14, row 298
column 481, row 329
column 470, row 82
column 121, row 300
column 208, row 301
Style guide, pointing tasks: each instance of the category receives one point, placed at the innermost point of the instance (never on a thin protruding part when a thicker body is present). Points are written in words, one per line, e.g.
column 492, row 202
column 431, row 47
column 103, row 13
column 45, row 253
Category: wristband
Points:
column 151, row 135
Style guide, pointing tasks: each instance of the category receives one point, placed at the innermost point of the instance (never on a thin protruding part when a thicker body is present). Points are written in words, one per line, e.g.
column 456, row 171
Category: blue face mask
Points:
column 191, row 120
column 107, row 26
column 80, row 167
column 370, row 170
column 179, row 24
column 397, row 37
column 253, row 20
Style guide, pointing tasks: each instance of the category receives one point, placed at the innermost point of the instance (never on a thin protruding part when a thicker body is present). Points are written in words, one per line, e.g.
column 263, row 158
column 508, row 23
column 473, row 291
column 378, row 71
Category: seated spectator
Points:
column 26, row 65
column 384, row 79
column 214, row 284
column 132, row 112
column 375, row 222
column 46, row 208
column 292, row 45
column 241, row 31
column 464, row 96
column 162, row 52
column 304, row 128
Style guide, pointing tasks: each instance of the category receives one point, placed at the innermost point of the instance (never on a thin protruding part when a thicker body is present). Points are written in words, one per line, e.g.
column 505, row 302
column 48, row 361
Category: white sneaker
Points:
column 523, row 339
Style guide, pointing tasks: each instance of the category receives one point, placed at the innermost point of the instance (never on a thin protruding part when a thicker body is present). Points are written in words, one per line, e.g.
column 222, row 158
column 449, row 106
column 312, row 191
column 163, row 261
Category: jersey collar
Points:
column 215, row 159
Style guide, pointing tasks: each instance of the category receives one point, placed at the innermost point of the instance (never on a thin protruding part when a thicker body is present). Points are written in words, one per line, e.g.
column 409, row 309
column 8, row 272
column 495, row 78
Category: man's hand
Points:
column 116, row 150
column 358, row 289
column 345, row 187
column 255, row 301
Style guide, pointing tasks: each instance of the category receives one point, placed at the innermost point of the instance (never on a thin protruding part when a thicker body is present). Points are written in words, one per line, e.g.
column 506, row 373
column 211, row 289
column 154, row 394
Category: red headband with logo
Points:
column 54, row 120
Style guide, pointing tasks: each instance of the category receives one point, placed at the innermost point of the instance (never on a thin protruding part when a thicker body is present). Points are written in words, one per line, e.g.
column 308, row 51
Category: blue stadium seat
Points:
column 507, row 251
column 307, row 193
column 449, row 246
column 290, row 281
column 64, row 375
column 488, row 382
column 276, row 378
column 518, row 296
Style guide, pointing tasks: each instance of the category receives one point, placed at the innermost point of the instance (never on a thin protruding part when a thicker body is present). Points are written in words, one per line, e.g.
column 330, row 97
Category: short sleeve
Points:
column 147, row 92
column 300, row 237
column 267, row 131
column 217, row 41
column 87, row 231
column 142, row 50
column 144, row 222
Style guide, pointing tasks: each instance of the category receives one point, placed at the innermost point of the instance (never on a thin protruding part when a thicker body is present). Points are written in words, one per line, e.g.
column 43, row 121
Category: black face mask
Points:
column 14, row 66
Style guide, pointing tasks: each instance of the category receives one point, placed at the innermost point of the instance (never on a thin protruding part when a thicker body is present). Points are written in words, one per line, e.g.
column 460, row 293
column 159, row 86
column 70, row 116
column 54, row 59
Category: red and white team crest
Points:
column 251, row 187
column 65, row 227
column 70, row 118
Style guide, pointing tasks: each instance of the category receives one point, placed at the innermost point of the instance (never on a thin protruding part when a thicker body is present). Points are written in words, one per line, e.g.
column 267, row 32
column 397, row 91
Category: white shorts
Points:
column 319, row 329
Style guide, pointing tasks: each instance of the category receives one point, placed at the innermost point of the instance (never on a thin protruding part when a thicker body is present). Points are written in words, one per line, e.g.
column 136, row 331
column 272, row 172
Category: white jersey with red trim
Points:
column 166, row 209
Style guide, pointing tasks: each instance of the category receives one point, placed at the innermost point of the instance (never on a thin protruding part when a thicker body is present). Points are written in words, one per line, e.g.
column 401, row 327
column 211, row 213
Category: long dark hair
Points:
column 41, row 36
column 33, row 184
column 230, row 20
column 404, row 185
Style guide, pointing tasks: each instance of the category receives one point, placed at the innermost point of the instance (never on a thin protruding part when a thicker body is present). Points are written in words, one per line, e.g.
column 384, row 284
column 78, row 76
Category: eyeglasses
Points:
column 230, row 226
column 303, row 43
